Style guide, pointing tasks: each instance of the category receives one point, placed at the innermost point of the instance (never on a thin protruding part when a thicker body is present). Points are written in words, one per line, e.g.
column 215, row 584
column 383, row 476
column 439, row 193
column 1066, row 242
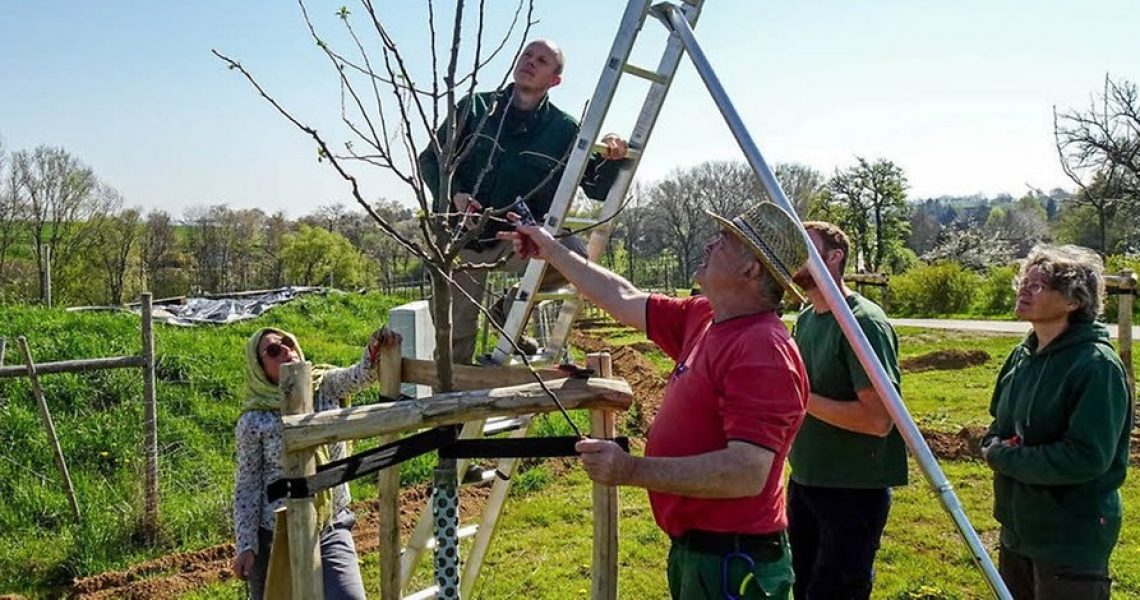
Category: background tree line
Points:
column 103, row 253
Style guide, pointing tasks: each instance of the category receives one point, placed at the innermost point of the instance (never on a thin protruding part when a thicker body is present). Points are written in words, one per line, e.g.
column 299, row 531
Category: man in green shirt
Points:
column 848, row 454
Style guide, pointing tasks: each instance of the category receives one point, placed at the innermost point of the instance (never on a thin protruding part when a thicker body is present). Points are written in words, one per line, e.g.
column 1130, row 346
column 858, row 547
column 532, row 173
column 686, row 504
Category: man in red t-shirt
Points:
column 714, row 460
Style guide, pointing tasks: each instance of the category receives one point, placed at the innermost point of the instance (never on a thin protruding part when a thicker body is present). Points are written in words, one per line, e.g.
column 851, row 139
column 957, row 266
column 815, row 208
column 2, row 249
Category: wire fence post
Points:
column 150, row 505
column 1124, row 325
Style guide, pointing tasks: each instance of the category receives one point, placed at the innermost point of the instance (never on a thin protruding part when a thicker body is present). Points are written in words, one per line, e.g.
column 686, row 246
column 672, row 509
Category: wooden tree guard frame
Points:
column 484, row 393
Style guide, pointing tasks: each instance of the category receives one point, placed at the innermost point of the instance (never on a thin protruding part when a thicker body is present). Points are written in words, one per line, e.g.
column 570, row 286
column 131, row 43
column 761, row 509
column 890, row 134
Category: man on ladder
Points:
column 516, row 144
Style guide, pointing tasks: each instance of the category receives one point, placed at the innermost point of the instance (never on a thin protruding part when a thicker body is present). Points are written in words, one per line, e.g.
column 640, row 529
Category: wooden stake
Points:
column 45, row 414
column 1124, row 326
column 3, row 347
column 304, row 538
column 604, row 573
column 150, row 510
column 388, row 486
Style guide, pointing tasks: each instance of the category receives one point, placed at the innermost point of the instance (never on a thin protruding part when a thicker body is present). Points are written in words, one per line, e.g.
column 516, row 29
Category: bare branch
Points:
column 324, row 152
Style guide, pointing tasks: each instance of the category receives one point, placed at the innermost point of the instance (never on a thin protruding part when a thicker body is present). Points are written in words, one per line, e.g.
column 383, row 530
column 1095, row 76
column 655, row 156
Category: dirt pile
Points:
column 944, row 360
column 630, row 364
column 965, row 444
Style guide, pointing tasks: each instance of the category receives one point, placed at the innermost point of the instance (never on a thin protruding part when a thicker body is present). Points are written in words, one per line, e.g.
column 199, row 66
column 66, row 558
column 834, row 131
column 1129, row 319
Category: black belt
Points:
column 765, row 547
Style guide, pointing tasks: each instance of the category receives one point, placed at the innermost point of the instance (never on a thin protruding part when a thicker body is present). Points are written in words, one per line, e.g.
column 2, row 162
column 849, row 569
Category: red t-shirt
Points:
column 740, row 379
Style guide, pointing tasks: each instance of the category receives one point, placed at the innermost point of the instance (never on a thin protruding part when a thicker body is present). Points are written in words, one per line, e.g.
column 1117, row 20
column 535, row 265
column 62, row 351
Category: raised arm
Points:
column 610, row 291
column 338, row 384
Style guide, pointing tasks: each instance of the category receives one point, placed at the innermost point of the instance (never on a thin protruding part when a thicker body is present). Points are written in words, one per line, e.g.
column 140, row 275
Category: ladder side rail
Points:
column 631, row 22
column 651, row 109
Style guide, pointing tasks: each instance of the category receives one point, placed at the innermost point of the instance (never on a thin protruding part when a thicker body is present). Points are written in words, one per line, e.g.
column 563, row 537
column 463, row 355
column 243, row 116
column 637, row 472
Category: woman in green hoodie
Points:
column 1058, row 444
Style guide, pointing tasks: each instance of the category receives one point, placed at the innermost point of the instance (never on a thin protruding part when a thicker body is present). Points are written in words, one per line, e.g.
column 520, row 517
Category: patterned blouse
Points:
column 259, row 452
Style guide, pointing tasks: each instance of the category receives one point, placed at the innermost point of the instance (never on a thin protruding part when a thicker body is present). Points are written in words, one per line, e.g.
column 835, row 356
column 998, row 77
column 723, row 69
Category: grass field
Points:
column 542, row 549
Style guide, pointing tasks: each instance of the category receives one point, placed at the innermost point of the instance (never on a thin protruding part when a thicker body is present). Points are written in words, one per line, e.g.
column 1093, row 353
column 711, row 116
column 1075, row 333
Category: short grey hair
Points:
column 1074, row 271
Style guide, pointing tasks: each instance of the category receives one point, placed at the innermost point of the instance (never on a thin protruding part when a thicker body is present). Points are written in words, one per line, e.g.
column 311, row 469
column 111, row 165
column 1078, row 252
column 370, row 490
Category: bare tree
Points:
column 1099, row 150
column 802, row 184
column 393, row 116
column 163, row 261
column 66, row 205
column 115, row 242
column 13, row 210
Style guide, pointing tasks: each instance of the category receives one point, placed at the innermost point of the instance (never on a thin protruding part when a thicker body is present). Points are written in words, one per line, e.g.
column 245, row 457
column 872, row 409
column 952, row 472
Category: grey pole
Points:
column 675, row 21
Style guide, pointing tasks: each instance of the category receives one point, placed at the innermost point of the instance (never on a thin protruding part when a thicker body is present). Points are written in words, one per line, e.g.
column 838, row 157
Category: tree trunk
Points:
column 1102, row 222
column 441, row 316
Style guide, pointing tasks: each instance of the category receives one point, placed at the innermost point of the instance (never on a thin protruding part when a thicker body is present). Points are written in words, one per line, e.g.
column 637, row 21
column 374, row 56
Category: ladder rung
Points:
column 484, row 476
column 463, row 533
column 631, row 153
column 653, row 76
column 502, row 425
column 427, row 593
column 583, row 221
column 555, row 295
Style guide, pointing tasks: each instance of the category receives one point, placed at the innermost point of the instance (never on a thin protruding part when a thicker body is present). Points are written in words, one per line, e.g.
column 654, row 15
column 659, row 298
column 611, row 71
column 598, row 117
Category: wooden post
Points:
column 45, row 414
column 604, row 573
column 388, row 486
column 304, row 538
column 47, row 276
column 150, row 511
column 3, row 348
column 1124, row 326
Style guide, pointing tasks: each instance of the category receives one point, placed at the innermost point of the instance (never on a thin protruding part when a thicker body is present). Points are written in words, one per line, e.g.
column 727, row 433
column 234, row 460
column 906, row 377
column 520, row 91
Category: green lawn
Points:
column 543, row 546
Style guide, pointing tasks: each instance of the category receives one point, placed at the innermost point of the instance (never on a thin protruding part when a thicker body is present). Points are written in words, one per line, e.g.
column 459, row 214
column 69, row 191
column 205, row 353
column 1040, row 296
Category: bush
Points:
column 928, row 290
column 995, row 294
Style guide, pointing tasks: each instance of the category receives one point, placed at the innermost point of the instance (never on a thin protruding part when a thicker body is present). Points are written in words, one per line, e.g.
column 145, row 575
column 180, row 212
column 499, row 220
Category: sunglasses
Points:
column 277, row 349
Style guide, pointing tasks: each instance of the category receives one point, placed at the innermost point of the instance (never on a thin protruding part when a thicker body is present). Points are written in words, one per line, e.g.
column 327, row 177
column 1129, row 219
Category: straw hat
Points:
column 774, row 237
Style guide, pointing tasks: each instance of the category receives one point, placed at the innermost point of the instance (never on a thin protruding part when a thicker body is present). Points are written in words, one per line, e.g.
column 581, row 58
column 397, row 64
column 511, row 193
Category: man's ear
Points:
column 556, row 80
column 835, row 257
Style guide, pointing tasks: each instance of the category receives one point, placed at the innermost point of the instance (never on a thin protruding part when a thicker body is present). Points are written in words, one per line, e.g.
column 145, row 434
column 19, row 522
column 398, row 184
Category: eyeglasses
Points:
column 276, row 349
column 1031, row 287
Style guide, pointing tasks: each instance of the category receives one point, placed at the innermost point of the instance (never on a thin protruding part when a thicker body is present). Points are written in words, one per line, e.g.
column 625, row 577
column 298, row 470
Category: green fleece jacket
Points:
column 512, row 153
column 1055, row 493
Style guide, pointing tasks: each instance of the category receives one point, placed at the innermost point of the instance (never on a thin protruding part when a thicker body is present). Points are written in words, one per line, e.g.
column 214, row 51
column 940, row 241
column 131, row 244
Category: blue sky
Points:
column 958, row 93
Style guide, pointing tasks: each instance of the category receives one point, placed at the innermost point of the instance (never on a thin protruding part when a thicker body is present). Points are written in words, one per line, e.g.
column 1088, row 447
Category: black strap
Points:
column 539, row 447
column 358, row 465
column 442, row 439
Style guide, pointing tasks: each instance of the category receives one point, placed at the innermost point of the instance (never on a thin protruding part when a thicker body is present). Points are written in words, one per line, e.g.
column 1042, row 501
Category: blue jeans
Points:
column 835, row 534
column 340, row 567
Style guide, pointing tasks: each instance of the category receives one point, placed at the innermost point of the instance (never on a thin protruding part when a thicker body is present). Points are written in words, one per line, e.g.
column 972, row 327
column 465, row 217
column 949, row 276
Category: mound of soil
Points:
column 630, row 364
column 942, row 360
column 962, row 445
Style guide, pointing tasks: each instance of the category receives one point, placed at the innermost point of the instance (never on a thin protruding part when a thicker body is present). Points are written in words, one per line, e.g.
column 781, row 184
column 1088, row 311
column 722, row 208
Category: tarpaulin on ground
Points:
column 221, row 310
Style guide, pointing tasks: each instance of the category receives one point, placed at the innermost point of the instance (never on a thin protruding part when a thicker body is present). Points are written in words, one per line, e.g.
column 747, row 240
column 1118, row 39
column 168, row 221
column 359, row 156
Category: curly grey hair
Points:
column 1074, row 271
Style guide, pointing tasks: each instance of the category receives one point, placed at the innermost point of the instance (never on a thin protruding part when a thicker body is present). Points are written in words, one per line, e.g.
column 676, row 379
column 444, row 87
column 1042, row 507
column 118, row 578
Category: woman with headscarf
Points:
column 1058, row 444
column 259, row 451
